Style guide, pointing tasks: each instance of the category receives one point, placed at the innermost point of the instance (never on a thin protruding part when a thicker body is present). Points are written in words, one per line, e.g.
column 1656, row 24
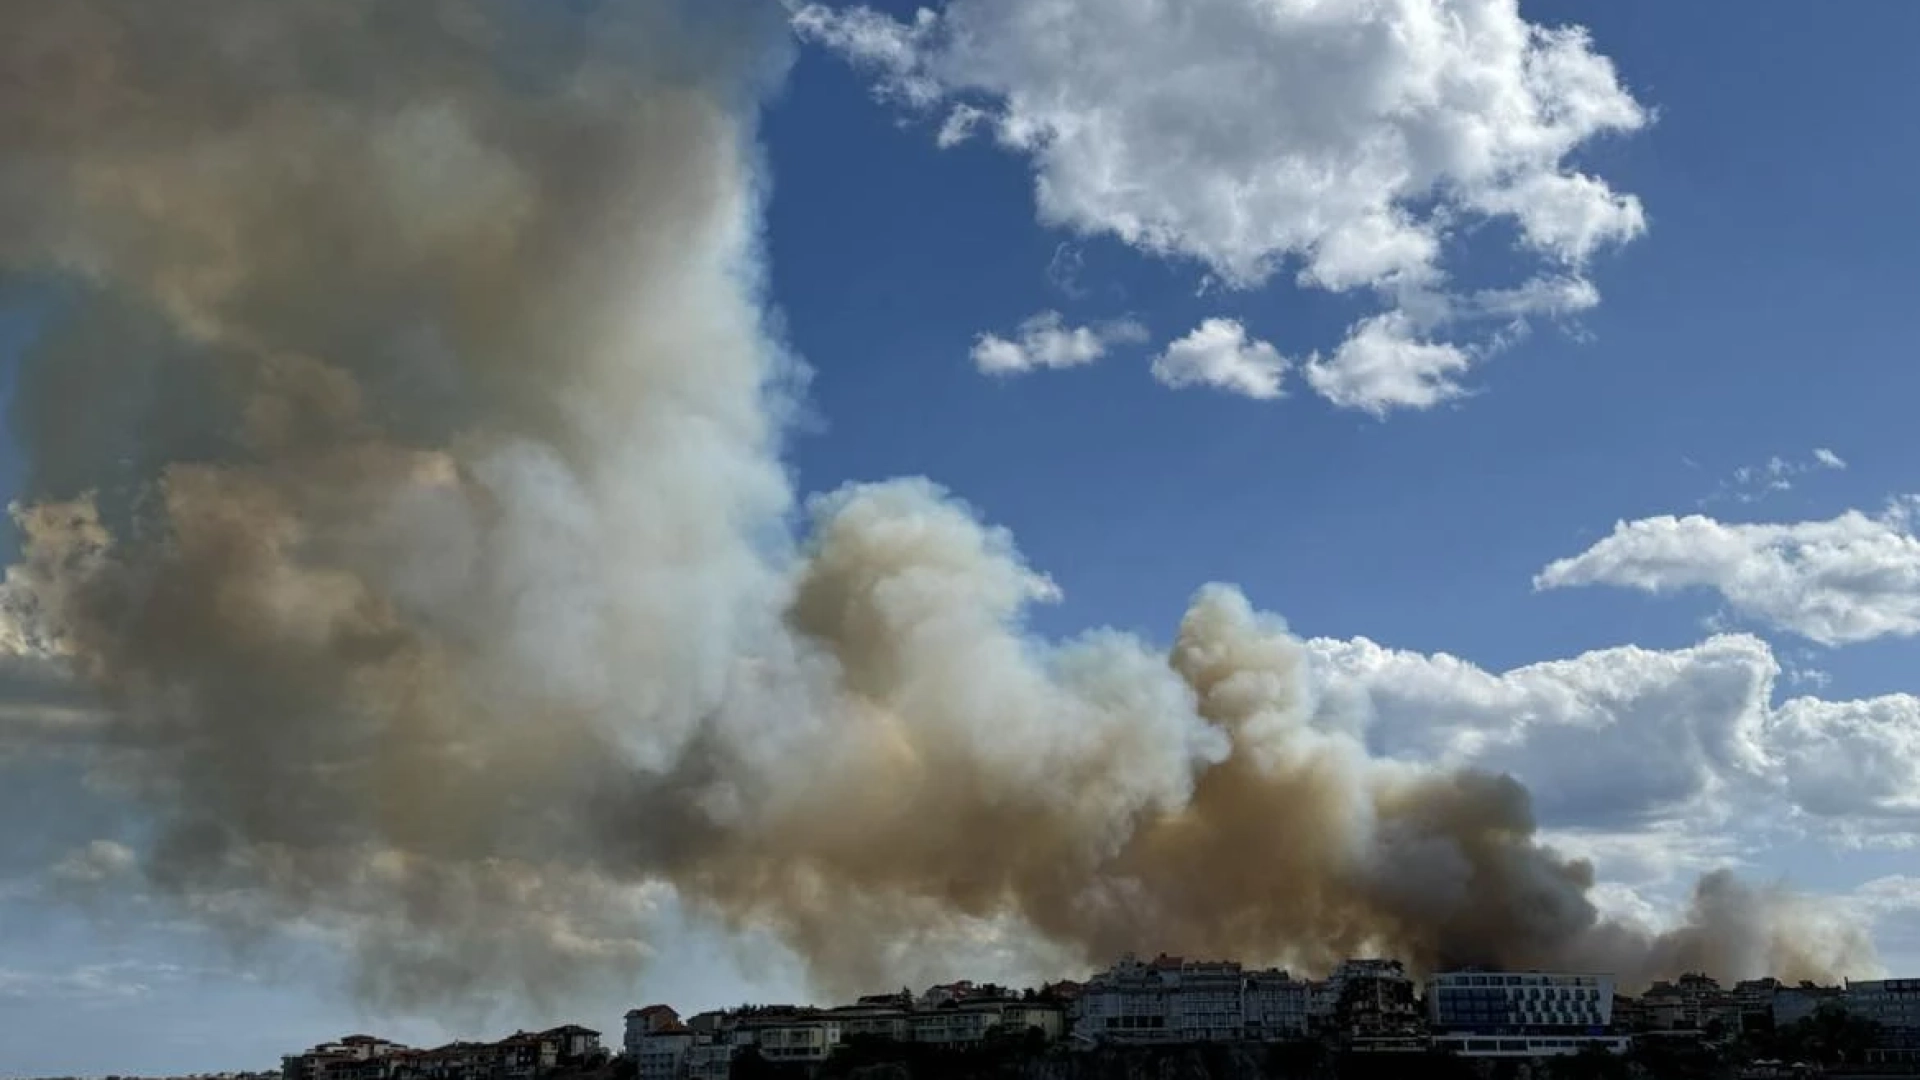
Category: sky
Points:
column 1574, row 442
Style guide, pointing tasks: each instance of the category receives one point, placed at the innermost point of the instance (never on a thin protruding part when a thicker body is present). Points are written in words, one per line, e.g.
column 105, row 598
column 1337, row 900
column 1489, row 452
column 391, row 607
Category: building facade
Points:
column 1521, row 1014
column 889, row 1022
column 801, row 1041
column 1171, row 1000
column 1694, row 1002
column 644, row 1022
column 1792, row 1004
column 1129, row 1002
column 662, row 1054
column 1894, row 1004
column 1276, row 1006
column 953, row 1026
column 1372, row 1004
column 710, row 1061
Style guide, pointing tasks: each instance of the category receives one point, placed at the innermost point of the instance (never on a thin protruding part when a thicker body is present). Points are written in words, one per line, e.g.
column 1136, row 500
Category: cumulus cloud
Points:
column 1647, row 746
column 1342, row 140
column 1846, row 579
column 1220, row 354
column 1623, row 735
column 1854, row 761
column 1383, row 365
column 1046, row 341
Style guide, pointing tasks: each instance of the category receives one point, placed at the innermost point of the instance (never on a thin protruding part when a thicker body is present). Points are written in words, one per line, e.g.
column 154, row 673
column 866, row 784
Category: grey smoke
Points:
column 405, row 481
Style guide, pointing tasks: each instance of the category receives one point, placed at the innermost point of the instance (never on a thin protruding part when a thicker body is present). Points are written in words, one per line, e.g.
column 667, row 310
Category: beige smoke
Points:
column 405, row 481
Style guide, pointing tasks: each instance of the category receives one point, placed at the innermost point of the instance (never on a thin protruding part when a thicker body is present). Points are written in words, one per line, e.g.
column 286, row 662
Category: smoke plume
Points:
column 403, row 431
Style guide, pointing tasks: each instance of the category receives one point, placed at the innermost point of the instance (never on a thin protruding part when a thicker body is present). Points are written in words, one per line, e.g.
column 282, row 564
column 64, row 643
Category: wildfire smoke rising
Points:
column 404, row 478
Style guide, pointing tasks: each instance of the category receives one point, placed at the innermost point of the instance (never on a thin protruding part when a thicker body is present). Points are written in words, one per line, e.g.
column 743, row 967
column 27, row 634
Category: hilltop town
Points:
column 1368, row 1011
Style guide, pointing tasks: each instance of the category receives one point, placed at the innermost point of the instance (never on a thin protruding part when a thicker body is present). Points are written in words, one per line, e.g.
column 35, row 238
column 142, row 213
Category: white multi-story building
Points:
column 1276, row 1005
column 712, row 1060
column 806, row 1041
column 1173, row 1000
column 1208, row 1003
column 662, row 1053
column 355, row 1057
column 1521, row 1014
column 644, row 1022
column 1019, row 1017
column 965, row 1025
column 874, row 1022
column 1130, row 1002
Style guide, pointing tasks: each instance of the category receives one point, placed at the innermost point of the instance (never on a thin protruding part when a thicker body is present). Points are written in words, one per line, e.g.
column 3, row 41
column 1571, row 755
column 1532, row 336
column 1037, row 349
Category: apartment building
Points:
column 891, row 1022
column 807, row 1040
column 1693, row 1002
column 1172, row 1000
column 1372, row 1004
column 1275, row 1005
column 953, row 1025
column 710, row 1061
column 1521, row 1014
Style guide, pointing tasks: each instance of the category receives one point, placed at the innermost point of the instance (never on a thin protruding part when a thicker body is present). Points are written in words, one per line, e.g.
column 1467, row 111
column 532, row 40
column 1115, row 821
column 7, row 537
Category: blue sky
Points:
column 890, row 254
column 1760, row 316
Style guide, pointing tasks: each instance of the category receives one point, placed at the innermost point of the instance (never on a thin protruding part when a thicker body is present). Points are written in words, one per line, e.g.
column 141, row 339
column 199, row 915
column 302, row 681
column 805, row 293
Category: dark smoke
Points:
column 405, row 481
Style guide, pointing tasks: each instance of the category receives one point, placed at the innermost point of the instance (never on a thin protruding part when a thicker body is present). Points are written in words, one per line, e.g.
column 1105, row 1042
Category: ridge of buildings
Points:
column 1365, row 1005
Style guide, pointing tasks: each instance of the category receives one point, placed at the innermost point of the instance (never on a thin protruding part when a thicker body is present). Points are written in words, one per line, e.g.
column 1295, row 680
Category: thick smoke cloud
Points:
column 404, row 442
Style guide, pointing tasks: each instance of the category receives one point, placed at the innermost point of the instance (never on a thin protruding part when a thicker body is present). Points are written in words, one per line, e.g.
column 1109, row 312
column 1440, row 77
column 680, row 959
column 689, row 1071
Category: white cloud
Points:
column 1383, row 366
column 1607, row 738
column 99, row 862
column 1803, row 674
column 88, row 983
column 1852, row 759
column 1045, row 341
column 1218, row 353
column 1751, row 483
column 1851, row 578
column 1343, row 139
column 1065, row 268
column 959, row 126
column 1555, row 296
column 1891, row 905
column 875, row 39
column 1639, row 750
